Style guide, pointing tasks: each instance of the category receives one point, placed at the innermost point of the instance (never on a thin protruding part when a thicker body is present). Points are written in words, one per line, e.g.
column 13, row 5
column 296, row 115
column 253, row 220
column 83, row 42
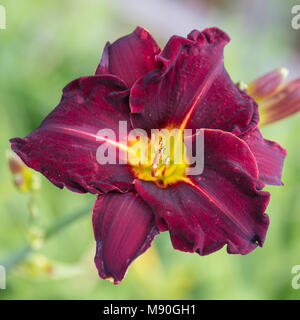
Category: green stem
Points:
column 16, row 257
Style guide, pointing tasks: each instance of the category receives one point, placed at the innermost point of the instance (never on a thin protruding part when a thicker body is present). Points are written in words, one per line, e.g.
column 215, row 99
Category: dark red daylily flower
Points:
column 183, row 86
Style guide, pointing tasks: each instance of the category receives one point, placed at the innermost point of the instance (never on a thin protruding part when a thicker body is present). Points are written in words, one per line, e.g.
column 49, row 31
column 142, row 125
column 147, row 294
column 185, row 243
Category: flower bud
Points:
column 37, row 265
column 24, row 178
column 16, row 165
column 36, row 237
column 283, row 104
column 267, row 85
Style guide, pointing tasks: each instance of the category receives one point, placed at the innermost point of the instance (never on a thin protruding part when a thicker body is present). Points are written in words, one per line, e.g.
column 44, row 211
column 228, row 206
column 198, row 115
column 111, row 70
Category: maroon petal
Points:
column 269, row 156
column 222, row 206
column 130, row 57
column 124, row 228
column 64, row 147
column 192, row 88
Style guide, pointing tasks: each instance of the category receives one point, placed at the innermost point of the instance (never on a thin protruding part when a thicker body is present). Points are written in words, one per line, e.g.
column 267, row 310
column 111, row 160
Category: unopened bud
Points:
column 36, row 237
column 268, row 84
column 24, row 178
column 283, row 104
column 16, row 165
column 37, row 265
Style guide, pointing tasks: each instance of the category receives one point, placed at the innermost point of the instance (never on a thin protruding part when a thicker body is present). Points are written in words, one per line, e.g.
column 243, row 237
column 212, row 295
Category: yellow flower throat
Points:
column 160, row 159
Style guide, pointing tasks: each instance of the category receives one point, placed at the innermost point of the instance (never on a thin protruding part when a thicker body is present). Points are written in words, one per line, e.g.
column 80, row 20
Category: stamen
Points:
column 165, row 166
column 157, row 158
column 161, row 168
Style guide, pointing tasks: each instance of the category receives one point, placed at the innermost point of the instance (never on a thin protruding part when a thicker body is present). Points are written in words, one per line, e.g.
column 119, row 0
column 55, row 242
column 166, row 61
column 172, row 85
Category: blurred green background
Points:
column 49, row 43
